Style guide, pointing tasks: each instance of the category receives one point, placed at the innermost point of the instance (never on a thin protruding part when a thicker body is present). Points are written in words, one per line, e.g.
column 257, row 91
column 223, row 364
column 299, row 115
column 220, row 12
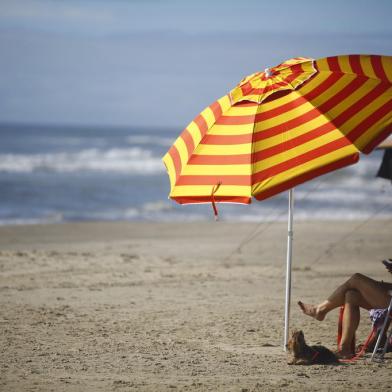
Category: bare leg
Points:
column 376, row 294
column 351, row 317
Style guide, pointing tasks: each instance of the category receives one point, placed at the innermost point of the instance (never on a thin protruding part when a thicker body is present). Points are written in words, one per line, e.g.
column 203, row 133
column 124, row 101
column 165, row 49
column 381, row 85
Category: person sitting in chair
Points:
column 359, row 291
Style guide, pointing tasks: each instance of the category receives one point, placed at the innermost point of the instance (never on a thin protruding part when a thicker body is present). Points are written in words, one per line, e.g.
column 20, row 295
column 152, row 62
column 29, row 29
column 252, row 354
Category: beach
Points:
column 141, row 306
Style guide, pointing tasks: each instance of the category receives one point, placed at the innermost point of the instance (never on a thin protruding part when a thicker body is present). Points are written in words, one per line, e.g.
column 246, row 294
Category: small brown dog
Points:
column 302, row 354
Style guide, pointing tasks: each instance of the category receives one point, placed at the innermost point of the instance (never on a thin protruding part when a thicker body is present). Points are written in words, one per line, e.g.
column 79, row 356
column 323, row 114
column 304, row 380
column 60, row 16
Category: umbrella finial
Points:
column 268, row 72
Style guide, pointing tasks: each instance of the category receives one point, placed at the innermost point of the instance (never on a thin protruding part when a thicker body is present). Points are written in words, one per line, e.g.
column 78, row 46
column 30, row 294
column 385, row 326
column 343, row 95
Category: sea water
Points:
column 51, row 174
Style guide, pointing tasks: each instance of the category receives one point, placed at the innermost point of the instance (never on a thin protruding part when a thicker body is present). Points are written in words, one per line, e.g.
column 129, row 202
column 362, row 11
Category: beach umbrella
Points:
column 279, row 128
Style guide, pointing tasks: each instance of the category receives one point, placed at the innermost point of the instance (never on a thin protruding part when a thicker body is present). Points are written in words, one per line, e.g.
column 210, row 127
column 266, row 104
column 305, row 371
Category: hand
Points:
column 388, row 264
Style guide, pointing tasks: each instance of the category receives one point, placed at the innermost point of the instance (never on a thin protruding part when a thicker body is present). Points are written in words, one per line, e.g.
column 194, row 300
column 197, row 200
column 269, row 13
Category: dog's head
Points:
column 297, row 343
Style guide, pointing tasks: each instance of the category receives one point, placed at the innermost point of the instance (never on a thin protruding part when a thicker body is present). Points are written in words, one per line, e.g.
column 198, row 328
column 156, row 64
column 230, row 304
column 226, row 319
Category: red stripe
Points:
column 207, row 199
column 324, row 108
column 266, row 115
column 266, row 89
column 274, row 190
column 299, row 160
column 296, row 69
column 287, row 126
column 324, row 86
column 175, row 156
column 240, row 159
column 337, row 122
column 292, row 143
column 239, row 120
column 307, row 176
column 227, row 139
column 354, row 85
column 246, row 88
column 201, row 123
column 355, row 64
column 216, row 109
column 310, row 115
column 236, row 120
column 213, row 180
column 361, row 128
column 378, row 68
column 318, row 90
column 333, row 64
column 287, row 80
column 377, row 140
column 188, row 140
column 317, row 132
column 358, row 106
column 264, row 154
column 266, row 173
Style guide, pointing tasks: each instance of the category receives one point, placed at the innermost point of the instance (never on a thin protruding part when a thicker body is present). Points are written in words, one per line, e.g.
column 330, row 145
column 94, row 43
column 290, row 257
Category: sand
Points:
column 166, row 307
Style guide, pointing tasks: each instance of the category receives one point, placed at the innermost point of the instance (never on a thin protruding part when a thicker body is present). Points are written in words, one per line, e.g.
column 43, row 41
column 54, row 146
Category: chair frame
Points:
column 380, row 356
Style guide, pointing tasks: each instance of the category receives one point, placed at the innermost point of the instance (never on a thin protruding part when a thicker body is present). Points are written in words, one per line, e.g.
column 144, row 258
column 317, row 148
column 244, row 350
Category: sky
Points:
column 134, row 63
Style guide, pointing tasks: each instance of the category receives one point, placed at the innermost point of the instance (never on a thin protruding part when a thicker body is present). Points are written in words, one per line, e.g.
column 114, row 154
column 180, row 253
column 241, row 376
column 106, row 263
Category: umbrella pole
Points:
column 288, row 268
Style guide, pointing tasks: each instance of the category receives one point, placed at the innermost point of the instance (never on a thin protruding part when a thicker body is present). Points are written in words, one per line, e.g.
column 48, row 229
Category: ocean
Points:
column 61, row 174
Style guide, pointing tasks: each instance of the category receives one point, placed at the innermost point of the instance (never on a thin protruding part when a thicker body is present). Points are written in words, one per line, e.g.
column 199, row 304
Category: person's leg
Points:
column 376, row 294
column 351, row 317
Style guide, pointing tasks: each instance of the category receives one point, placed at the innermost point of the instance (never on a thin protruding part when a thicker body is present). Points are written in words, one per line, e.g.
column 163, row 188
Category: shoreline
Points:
column 147, row 306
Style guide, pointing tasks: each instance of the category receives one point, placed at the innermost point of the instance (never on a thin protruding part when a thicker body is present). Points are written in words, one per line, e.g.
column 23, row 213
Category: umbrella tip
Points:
column 268, row 72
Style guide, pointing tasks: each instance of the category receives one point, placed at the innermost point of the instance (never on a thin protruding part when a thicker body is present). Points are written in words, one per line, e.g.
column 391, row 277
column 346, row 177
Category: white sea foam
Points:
column 50, row 218
column 150, row 140
column 133, row 160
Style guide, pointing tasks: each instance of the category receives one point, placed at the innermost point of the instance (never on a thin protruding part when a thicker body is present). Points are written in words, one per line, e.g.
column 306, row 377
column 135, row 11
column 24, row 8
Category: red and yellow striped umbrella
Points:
column 282, row 127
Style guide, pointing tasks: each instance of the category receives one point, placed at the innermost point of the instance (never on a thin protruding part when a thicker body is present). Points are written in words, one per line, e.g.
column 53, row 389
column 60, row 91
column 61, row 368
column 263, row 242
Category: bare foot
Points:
column 344, row 354
column 312, row 311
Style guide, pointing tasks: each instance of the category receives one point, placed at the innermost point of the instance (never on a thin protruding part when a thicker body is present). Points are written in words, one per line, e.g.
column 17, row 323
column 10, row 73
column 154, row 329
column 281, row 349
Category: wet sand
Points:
column 166, row 307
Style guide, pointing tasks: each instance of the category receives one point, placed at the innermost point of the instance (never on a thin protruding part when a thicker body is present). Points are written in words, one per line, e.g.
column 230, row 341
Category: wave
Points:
column 151, row 140
column 133, row 160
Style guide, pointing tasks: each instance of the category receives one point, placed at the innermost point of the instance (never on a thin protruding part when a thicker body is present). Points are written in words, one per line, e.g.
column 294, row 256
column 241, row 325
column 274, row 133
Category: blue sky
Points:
column 158, row 63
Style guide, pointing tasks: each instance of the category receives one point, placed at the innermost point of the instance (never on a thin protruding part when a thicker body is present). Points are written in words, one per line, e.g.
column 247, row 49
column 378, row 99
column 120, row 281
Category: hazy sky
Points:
column 159, row 63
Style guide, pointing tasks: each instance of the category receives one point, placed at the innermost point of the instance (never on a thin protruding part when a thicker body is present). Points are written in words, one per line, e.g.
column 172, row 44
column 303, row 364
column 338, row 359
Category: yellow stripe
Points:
column 299, row 150
column 291, row 134
column 300, row 110
column 182, row 150
column 353, row 121
column 367, row 67
column 370, row 133
column 332, row 91
column 252, row 97
column 208, row 116
column 224, row 102
column 322, row 65
column 231, row 129
column 216, row 170
column 311, row 84
column 167, row 160
column 387, row 65
column 260, row 126
column 356, row 96
column 205, row 190
column 344, row 64
column 304, row 168
column 210, row 149
column 194, row 131
column 241, row 111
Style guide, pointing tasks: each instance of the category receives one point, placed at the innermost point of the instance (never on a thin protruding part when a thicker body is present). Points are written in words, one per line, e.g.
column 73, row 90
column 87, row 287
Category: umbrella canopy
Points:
column 386, row 144
column 282, row 127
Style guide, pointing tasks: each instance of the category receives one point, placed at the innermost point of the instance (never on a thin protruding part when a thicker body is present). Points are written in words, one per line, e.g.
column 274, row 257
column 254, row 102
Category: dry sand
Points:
column 164, row 307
